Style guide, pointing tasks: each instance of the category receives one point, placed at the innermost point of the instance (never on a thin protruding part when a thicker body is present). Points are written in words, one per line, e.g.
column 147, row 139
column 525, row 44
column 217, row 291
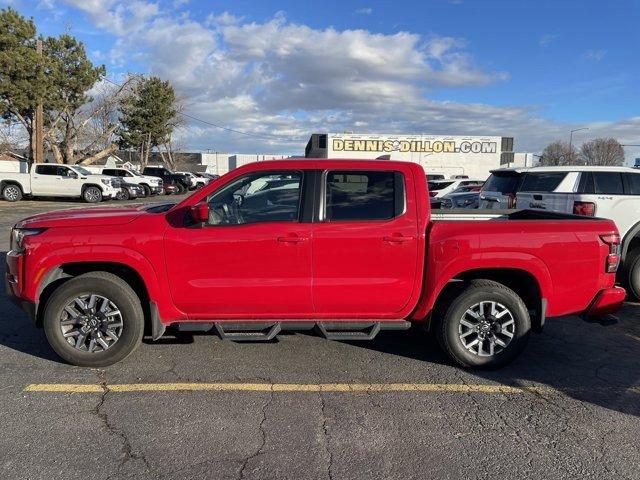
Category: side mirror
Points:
column 72, row 174
column 200, row 212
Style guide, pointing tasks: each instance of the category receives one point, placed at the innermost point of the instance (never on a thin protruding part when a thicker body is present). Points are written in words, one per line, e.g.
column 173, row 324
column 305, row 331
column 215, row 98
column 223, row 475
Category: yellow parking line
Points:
column 287, row 387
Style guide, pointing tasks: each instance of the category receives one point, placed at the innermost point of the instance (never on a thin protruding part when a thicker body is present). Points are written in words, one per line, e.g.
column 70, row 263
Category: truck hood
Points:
column 84, row 217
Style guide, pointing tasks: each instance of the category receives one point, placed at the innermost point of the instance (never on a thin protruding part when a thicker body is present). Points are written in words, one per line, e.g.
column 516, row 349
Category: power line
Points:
column 248, row 134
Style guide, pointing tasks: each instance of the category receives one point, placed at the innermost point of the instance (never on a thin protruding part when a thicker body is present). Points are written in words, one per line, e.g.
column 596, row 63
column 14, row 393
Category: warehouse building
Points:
column 472, row 156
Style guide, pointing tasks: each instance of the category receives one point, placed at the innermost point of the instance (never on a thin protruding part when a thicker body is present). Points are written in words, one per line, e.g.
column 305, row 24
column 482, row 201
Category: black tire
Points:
column 109, row 286
column 181, row 188
column 449, row 328
column 631, row 273
column 123, row 194
column 146, row 191
column 92, row 194
column 12, row 192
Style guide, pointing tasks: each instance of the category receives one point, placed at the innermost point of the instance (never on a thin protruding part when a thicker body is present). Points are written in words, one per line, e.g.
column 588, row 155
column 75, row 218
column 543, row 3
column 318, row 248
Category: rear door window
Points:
column 47, row 170
column 542, row 181
column 608, row 183
column 363, row 195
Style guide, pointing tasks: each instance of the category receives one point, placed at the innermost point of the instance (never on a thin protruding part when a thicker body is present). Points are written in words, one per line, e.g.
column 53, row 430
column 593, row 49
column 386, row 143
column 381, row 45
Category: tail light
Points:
column 613, row 259
column 586, row 209
column 511, row 200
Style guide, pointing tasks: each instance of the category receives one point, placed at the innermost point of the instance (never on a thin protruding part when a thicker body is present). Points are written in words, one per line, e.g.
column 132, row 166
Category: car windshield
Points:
column 502, row 182
column 81, row 170
column 133, row 172
column 433, row 186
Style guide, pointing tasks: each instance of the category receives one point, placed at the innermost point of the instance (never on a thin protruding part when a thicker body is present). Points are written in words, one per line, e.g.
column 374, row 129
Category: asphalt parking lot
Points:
column 193, row 406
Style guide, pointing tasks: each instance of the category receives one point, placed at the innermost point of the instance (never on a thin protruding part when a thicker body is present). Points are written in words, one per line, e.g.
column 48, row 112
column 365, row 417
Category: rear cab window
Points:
column 363, row 195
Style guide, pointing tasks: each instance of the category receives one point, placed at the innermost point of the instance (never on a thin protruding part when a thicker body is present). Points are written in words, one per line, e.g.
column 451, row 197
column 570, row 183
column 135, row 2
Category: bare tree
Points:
column 559, row 153
column 602, row 151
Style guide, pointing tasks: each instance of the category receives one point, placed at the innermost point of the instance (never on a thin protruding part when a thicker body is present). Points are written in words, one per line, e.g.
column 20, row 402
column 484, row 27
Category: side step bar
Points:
column 264, row 331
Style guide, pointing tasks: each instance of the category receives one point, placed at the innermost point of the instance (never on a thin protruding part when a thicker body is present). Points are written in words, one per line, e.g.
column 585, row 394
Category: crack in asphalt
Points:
column 263, row 435
column 126, row 451
column 325, row 432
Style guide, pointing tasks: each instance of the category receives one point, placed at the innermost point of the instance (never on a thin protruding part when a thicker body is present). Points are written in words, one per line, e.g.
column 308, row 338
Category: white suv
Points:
column 605, row 192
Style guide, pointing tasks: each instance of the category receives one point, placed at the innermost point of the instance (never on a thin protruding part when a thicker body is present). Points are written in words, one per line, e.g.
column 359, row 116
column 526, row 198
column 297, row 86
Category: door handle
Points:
column 397, row 239
column 291, row 239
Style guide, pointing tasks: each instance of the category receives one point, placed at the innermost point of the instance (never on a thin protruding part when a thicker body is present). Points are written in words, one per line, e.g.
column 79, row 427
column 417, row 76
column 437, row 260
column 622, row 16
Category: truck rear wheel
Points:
column 92, row 195
column 12, row 193
column 94, row 320
column 486, row 326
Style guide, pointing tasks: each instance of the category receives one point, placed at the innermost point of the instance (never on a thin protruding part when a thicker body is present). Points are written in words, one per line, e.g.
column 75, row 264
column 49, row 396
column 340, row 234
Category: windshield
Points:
column 433, row 186
column 502, row 182
column 81, row 170
column 133, row 172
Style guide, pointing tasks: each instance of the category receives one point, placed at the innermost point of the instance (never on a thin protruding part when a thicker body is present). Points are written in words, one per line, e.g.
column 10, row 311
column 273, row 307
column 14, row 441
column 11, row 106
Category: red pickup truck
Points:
column 348, row 247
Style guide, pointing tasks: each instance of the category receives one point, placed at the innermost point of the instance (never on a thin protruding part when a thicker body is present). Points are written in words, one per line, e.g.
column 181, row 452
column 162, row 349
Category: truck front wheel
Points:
column 94, row 320
column 486, row 326
column 12, row 193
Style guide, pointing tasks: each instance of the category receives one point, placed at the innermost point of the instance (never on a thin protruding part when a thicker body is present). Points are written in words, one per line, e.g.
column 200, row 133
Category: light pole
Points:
column 571, row 137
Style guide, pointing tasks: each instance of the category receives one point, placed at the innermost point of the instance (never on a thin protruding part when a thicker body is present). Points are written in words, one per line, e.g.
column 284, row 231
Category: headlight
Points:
column 17, row 237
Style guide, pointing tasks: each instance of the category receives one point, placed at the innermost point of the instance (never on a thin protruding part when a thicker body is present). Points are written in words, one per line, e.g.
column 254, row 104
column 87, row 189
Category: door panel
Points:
column 365, row 268
column 244, row 271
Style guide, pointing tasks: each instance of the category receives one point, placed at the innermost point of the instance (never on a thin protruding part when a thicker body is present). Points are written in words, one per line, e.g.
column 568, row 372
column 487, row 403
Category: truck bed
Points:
column 466, row 214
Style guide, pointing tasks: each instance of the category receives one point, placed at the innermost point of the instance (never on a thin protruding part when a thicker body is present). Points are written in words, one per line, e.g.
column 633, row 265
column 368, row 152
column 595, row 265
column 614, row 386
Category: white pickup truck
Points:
column 54, row 180
column 150, row 185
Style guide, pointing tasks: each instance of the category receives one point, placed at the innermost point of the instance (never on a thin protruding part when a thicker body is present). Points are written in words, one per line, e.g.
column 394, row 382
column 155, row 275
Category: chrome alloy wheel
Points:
column 91, row 323
column 11, row 193
column 486, row 328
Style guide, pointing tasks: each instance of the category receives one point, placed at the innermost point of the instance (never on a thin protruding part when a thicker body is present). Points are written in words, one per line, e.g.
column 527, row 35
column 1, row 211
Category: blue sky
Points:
column 282, row 69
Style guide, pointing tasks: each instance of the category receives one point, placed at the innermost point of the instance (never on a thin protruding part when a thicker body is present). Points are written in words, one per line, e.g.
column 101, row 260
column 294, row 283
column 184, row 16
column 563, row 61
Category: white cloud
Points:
column 364, row 11
column 284, row 80
column 546, row 39
column 594, row 54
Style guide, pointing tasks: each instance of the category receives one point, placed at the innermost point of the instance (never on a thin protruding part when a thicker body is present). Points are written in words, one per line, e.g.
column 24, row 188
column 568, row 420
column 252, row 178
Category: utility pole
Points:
column 38, row 151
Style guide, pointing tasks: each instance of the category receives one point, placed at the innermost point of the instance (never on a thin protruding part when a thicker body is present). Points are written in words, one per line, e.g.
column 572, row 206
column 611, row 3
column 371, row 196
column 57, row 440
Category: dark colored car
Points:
column 179, row 180
column 130, row 191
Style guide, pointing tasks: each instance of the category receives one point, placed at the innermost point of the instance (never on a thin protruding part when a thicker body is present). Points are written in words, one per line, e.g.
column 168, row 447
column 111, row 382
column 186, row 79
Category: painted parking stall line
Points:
column 289, row 387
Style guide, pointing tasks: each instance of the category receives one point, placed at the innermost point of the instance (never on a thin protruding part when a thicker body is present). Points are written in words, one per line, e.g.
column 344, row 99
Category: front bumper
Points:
column 12, row 284
column 157, row 189
column 606, row 302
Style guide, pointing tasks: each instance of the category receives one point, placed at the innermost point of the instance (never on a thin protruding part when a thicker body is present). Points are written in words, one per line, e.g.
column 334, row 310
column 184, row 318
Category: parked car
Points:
column 350, row 249
column 462, row 197
column 170, row 189
column 54, row 180
column 197, row 181
column 434, row 176
column 499, row 191
column 440, row 188
column 605, row 192
column 181, row 181
column 130, row 191
column 150, row 185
